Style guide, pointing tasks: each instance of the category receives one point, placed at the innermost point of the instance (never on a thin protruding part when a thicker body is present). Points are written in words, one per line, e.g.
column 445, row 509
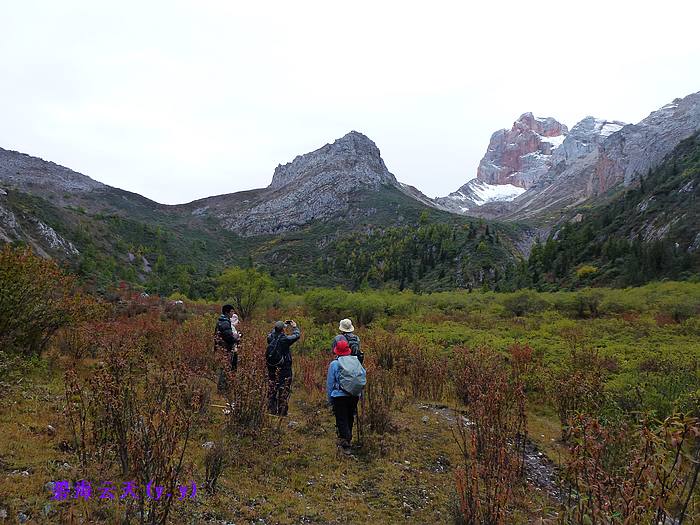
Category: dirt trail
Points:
column 540, row 471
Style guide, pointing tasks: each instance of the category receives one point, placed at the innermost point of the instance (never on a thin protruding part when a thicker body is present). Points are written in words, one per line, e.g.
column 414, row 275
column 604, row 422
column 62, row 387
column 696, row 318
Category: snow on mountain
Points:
column 526, row 156
column 554, row 141
column 485, row 192
column 476, row 193
column 606, row 128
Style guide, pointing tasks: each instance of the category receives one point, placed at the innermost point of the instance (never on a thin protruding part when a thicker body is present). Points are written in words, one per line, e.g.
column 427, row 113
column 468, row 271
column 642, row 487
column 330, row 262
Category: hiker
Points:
column 344, row 384
column 346, row 332
column 226, row 339
column 279, row 366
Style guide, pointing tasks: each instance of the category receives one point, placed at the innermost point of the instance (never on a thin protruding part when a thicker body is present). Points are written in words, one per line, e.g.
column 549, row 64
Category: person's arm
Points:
column 296, row 334
column 330, row 381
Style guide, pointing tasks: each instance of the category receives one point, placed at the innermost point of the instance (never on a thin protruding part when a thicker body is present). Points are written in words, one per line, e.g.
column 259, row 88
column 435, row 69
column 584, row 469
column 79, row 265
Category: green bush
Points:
column 37, row 299
column 525, row 302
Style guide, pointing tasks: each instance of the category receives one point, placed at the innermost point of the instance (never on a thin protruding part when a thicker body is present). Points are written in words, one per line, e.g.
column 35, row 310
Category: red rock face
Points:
column 604, row 176
column 519, row 155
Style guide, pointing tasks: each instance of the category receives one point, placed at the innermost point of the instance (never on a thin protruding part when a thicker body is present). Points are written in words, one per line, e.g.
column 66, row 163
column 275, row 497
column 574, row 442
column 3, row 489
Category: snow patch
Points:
column 554, row 141
column 483, row 192
column 606, row 128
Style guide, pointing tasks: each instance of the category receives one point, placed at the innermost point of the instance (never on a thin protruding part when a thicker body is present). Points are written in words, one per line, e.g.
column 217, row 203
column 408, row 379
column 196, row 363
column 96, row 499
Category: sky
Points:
column 182, row 100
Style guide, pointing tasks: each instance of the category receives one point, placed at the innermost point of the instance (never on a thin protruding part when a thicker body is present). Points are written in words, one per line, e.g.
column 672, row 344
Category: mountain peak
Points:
column 545, row 126
column 518, row 156
column 356, row 136
column 354, row 157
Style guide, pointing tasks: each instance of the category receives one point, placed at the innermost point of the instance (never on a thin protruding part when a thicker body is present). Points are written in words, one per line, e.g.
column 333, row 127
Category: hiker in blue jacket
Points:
column 343, row 402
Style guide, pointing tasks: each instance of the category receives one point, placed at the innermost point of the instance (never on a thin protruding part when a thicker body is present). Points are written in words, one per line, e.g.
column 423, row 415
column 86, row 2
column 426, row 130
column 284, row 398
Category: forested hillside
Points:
column 651, row 231
column 386, row 239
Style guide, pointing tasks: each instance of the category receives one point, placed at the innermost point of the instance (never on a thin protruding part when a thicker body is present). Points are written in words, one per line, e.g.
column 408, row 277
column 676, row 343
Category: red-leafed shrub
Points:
column 491, row 435
column 642, row 473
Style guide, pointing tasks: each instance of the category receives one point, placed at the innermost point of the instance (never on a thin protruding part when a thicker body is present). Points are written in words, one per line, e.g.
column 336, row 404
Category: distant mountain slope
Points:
column 340, row 191
column 640, row 233
column 619, row 160
column 563, row 171
column 315, row 186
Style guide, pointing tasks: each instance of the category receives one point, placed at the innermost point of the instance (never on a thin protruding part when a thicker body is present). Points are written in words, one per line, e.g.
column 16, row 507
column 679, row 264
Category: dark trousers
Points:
column 232, row 362
column 344, row 408
column 280, row 386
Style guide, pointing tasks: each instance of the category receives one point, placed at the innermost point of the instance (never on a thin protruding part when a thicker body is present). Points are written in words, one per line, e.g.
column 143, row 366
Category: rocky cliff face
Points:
column 639, row 147
column 584, row 138
column 317, row 185
column 352, row 159
column 619, row 158
column 29, row 229
column 515, row 160
column 561, row 168
column 519, row 156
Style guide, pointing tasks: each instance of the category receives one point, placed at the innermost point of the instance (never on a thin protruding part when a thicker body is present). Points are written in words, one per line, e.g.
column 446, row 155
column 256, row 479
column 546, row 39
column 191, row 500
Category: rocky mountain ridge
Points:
column 538, row 170
column 518, row 156
column 315, row 186
column 618, row 160
column 593, row 158
column 519, row 159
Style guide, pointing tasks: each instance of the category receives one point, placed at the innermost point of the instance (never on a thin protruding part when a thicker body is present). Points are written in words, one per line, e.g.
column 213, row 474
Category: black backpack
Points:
column 274, row 355
column 354, row 344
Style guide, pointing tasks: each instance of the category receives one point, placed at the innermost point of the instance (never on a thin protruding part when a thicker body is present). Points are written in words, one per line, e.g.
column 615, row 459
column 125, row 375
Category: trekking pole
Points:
column 361, row 409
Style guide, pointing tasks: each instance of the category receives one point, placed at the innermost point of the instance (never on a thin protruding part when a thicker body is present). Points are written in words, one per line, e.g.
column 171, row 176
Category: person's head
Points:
column 227, row 310
column 279, row 327
column 346, row 326
column 342, row 348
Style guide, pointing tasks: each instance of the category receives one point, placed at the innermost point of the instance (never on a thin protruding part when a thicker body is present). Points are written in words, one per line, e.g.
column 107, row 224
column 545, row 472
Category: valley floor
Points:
column 290, row 474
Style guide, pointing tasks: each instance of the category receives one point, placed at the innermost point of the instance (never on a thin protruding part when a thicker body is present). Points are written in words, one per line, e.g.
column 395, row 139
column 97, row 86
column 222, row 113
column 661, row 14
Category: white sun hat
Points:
column 346, row 326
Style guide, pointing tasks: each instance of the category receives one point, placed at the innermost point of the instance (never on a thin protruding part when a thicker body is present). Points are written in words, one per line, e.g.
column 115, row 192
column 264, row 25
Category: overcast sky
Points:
column 182, row 100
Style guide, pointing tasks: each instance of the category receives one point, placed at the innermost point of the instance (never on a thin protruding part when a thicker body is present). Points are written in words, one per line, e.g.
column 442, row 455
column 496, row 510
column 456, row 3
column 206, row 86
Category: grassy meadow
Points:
column 481, row 407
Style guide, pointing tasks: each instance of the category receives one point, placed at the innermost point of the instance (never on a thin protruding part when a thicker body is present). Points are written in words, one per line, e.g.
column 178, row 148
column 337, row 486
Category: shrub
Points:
column 326, row 306
column 245, row 288
column 137, row 414
column 311, row 372
column 378, row 398
column 643, row 473
column 491, row 438
column 247, row 395
column 37, row 300
column 524, row 302
column 214, row 463
column 578, row 386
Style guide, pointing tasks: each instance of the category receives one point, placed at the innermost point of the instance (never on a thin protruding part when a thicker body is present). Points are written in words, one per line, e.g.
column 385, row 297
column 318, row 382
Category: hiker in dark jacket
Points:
column 280, row 374
column 344, row 404
column 226, row 339
column 346, row 332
